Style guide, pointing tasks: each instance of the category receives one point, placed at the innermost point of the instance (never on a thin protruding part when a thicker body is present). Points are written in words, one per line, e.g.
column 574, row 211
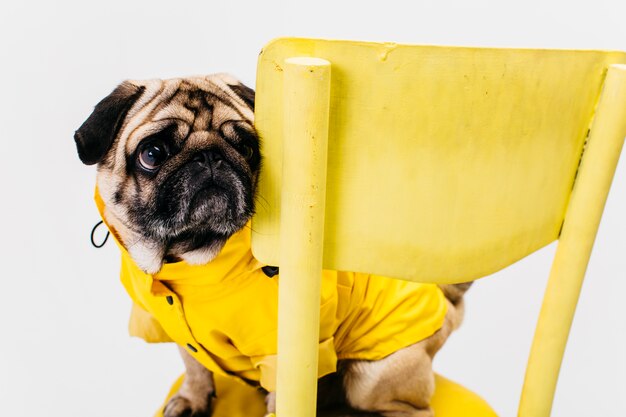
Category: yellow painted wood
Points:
column 448, row 164
column 453, row 400
column 444, row 165
column 233, row 399
column 579, row 231
column 237, row 400
column 306, row 98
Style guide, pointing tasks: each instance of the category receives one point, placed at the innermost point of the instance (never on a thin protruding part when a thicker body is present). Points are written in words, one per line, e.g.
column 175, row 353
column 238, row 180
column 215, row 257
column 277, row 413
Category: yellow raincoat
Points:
column 225, row 312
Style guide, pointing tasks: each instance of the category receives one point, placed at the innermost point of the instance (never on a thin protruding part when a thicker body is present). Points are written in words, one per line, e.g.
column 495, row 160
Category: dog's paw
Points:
column 180, row 406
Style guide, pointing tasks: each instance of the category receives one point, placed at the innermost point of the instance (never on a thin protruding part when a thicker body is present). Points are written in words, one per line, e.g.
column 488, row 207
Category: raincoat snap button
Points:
column 270, row 271
column 170, row 299
column 192, row 348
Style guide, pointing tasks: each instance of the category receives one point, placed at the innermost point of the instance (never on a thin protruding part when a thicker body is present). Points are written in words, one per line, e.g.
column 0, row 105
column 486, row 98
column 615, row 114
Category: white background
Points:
column 64, row 350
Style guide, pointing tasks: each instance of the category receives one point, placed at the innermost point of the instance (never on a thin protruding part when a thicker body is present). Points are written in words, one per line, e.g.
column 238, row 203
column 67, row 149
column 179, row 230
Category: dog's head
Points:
column 178, row 162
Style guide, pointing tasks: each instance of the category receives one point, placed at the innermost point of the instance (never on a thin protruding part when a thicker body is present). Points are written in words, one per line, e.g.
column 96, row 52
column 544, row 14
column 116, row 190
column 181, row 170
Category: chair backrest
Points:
column 441, row 165
column 444, row 164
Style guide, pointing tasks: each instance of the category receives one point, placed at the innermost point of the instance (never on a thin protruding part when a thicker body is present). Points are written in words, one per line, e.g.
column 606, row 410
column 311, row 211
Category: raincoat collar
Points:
column 234, row 259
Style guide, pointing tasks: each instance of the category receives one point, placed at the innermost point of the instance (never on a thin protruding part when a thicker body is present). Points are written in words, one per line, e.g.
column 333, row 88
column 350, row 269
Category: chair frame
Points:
column 306, row 97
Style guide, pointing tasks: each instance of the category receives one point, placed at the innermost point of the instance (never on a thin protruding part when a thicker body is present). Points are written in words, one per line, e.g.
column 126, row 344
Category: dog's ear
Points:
column 245, row 92
column 97, row 133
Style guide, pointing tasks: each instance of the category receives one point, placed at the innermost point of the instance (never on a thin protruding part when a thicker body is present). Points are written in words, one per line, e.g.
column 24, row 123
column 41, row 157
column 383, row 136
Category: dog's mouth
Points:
column 205, row 193
column 210, row 200
column 219, row 203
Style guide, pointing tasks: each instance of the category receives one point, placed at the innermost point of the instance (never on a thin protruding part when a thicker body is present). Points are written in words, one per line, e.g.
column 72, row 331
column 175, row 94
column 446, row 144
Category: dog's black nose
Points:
column 211, row 158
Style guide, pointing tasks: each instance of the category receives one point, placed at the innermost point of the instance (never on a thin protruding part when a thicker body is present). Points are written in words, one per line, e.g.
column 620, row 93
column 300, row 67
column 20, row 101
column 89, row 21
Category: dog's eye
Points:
column 152, row 155
column 247, row 152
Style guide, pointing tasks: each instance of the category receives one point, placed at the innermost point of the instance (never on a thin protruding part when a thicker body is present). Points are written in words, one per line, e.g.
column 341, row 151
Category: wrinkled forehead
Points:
column 190, row 104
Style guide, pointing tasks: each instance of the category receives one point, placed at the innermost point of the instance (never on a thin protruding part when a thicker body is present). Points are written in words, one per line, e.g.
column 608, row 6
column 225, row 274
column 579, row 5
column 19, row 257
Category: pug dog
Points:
column 177, row 167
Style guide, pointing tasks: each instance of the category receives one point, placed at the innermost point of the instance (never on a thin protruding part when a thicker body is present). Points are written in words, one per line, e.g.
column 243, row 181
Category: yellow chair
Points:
column 431, row 164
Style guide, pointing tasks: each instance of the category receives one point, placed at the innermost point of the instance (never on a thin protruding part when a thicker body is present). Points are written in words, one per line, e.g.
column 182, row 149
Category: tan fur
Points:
column 195, row 393
column 400, row 385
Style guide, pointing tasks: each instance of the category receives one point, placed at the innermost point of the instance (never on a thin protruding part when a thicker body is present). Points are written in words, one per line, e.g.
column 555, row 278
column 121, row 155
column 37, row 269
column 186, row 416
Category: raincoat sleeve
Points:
column 143, row 325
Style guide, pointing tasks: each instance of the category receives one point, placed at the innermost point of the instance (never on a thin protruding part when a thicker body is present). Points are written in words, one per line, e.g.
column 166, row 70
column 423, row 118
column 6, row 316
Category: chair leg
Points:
column 307, row 97
column 575, row 243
